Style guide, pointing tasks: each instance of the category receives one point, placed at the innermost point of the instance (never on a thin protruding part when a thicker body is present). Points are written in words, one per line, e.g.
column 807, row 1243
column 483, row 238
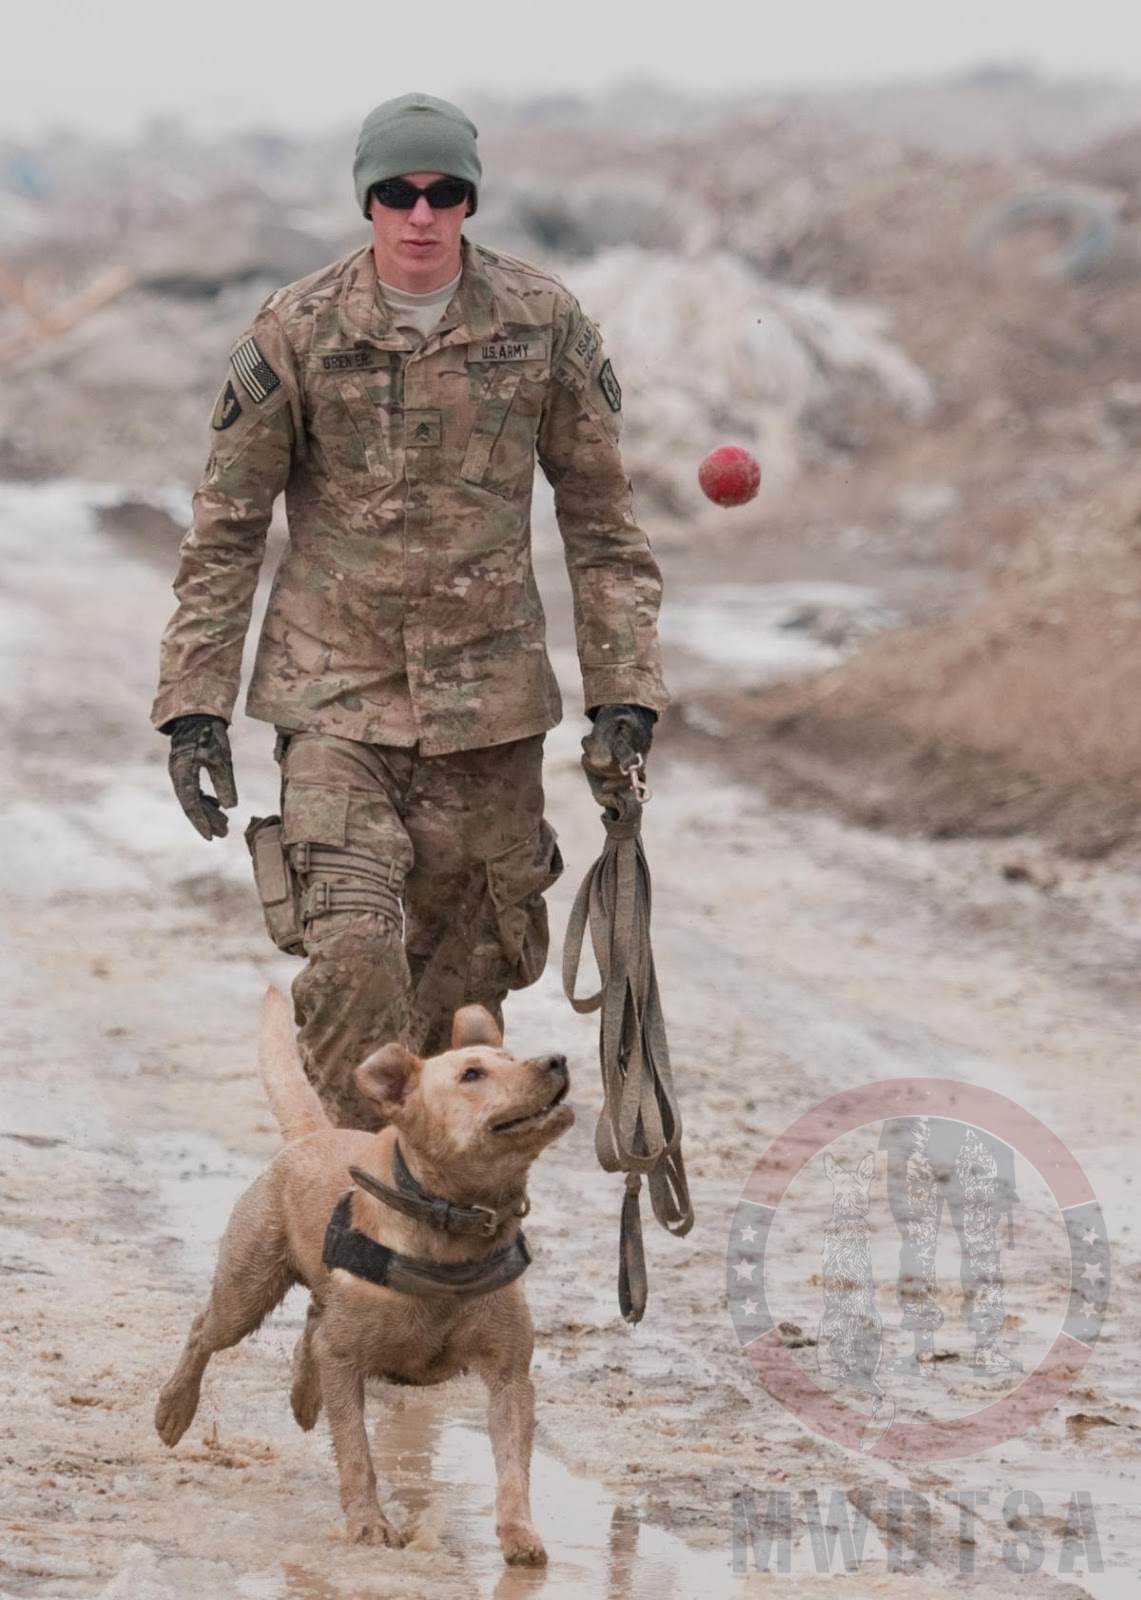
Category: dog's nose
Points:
column 557, row 1064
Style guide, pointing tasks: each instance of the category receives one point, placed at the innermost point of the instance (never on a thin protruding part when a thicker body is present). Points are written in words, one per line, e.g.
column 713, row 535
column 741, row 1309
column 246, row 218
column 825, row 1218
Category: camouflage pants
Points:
column 932, row 1160
column 461, row 843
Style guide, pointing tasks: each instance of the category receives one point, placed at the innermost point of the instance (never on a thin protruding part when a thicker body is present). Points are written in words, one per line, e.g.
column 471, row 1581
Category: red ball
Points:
column 729, row 475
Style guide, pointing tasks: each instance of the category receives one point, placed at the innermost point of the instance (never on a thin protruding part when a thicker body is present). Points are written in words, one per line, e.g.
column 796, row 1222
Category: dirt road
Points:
column 797, row 956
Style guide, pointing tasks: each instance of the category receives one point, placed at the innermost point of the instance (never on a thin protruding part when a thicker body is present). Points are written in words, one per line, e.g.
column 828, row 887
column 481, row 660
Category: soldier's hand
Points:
column 199, row 741
column 619, row 734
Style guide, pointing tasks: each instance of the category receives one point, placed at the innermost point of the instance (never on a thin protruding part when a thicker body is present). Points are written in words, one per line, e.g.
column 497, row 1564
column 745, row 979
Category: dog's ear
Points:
column 867, row 1168
column 475, row 1025
column 388, row 1076
column 829, row 1165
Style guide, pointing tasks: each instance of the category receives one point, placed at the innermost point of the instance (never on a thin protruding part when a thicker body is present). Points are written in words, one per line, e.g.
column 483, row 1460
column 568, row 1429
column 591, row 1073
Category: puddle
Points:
column 440, row 1469
column 773, row 631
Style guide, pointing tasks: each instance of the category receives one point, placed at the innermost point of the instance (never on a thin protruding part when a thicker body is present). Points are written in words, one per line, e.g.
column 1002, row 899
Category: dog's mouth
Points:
column 533, row 1118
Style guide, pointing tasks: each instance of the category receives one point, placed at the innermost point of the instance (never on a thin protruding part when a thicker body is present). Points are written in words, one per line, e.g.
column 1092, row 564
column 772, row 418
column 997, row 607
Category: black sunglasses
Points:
column 401, row 195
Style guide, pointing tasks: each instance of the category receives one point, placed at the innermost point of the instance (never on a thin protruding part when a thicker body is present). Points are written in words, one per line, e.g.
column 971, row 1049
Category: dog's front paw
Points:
column 521, row 1545
column 175, row 1412
column 374, row 1529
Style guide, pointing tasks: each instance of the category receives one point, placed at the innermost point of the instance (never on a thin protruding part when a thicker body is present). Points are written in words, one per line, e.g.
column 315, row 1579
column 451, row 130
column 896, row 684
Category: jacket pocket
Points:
column 349, row 429
column 500, row 453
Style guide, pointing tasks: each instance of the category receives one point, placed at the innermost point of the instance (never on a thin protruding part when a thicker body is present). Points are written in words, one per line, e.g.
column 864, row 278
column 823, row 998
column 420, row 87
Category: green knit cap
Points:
column 415, row 133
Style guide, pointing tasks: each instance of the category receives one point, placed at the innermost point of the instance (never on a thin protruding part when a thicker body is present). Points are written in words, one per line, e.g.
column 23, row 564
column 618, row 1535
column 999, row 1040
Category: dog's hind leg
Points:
column 305, row 1393
column 251, row 1278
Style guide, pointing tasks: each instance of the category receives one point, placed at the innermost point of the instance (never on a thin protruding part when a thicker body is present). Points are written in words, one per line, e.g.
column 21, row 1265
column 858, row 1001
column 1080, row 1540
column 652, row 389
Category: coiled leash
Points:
column 639, row 1129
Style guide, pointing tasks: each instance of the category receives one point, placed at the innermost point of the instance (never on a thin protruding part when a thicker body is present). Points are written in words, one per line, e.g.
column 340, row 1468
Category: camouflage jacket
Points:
column 405, row 605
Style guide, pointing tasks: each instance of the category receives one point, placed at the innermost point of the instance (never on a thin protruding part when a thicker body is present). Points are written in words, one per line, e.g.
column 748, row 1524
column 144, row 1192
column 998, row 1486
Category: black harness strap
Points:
column 346, row 1247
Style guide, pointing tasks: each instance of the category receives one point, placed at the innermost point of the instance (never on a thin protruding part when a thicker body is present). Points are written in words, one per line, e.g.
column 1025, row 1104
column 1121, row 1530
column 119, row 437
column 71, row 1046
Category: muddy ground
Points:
column 798, row 954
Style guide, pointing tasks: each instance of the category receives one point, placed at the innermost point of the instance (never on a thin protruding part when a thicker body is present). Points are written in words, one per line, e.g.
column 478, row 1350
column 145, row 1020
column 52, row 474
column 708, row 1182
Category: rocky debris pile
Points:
column 708, row 351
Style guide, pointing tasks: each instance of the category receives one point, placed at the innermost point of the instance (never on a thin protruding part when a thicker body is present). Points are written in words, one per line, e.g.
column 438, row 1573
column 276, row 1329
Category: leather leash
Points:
column 639, row 1130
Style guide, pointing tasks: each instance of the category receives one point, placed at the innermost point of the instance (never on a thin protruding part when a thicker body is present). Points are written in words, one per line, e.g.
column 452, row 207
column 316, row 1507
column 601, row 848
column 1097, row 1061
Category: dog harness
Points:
column 346, row 1247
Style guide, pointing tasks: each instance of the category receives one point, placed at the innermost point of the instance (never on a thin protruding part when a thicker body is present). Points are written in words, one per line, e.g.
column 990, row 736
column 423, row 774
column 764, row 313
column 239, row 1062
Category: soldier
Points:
column 400, row 398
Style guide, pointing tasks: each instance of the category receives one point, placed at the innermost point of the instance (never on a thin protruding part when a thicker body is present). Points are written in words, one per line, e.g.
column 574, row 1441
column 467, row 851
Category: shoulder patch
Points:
column 254, row 372
column 228, row 409
column 610, row 387
column 584, row 348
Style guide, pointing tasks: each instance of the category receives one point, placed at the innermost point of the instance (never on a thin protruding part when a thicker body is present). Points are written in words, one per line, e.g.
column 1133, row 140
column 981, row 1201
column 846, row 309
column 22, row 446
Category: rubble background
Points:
column 920, row 306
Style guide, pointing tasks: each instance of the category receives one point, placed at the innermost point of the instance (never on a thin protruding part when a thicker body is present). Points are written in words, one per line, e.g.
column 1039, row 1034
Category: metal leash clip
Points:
column 633, row 770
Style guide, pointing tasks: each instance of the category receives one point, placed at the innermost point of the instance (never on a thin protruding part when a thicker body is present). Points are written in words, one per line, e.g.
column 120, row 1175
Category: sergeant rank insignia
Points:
column 610, row 387
column 228, row 409
column 256, row 375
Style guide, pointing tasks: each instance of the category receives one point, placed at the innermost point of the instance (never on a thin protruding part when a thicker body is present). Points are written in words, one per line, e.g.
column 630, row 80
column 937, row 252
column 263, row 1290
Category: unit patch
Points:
column 507, row 350
column 228, row 409
column 256, row 375
column 610, row 387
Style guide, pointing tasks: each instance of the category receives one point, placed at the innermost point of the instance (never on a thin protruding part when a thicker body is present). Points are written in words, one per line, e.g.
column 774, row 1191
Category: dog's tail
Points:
column 292, row 1098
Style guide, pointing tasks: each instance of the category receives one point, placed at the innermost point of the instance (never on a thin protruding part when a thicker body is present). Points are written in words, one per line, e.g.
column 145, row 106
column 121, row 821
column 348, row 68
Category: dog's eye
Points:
column 472, row 1074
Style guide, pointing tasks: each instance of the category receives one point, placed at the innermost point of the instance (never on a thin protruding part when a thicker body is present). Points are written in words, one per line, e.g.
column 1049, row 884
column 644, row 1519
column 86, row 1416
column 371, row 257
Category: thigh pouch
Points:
column 301, row 882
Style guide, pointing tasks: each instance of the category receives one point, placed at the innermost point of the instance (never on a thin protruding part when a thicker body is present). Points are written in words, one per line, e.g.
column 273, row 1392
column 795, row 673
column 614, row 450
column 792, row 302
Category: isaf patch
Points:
column 228, row 409
column 586, row 345
column 257, row 377
column 610, row 387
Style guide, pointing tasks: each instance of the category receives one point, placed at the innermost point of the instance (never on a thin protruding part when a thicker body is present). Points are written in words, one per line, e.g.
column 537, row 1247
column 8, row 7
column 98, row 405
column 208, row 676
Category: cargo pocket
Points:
column 312, row 813
column 516, row 881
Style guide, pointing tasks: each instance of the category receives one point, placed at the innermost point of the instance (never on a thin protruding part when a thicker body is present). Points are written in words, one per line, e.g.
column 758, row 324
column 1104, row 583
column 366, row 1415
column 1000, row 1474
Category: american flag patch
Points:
column 254, row 372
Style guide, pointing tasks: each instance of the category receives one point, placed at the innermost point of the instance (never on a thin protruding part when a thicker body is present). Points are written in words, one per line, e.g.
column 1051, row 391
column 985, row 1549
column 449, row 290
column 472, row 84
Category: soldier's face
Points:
column 417, row 250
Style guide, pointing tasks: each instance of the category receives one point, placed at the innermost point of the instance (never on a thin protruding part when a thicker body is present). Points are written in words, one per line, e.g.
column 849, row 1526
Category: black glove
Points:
column 619, row 733
column 199, row 741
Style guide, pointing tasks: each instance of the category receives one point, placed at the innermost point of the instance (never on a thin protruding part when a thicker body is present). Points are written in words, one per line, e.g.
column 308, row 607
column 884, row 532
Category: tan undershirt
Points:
column 418, row 313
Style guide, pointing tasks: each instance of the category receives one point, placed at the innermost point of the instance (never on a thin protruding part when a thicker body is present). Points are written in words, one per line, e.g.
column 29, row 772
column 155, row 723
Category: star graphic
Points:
column 750, row 1308
column 744, row 1269
column 1093, row 1272
column 749, row 1233
column 1090, row 1236
column 1089, row 1311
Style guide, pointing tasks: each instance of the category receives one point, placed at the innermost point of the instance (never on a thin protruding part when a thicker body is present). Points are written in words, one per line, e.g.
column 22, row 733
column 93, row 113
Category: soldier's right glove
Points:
column 199, row 741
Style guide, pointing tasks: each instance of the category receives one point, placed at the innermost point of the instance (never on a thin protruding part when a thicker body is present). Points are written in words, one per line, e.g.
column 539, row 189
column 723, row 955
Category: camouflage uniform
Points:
column 403, row 644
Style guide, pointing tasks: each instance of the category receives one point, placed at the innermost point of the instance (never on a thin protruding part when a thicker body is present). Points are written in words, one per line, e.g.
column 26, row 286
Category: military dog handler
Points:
column 399, row 398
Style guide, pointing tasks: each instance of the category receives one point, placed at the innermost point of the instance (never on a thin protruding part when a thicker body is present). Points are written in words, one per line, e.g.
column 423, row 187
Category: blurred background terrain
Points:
column 919, row 305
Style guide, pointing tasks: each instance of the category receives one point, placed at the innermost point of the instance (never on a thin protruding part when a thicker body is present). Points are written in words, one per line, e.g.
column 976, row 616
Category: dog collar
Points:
column 416, row 1202
column 346, row 1247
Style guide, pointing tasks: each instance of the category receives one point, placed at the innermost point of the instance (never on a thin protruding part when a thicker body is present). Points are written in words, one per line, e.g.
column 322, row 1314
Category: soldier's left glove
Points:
column 619, row 734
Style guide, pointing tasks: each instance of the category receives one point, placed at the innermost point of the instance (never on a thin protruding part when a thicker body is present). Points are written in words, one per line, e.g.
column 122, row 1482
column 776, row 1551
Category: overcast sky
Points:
column 218, row 63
